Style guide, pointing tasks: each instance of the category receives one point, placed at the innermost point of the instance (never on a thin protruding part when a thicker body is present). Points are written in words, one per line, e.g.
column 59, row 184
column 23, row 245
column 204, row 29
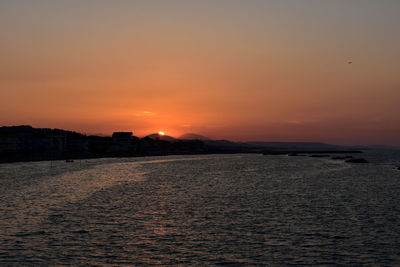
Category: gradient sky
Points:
column 239, row 70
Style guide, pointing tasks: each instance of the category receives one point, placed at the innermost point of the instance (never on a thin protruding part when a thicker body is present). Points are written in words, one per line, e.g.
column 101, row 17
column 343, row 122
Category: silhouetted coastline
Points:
column 25, row 143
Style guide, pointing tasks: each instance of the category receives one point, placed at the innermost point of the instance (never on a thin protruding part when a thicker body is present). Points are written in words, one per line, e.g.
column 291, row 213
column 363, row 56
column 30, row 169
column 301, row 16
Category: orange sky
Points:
column 240, row 70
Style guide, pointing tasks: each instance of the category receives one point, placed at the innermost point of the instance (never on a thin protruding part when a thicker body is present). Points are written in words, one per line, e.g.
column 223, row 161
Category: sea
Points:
column 202, row 210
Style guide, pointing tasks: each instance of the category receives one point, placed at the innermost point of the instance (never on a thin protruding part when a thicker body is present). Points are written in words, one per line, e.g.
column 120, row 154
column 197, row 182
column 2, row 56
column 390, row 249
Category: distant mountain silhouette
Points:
column 156, row 136
column 193, row 136
column 294, row 145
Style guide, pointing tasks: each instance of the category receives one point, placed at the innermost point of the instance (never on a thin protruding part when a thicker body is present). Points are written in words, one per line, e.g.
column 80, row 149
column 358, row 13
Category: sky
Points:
column 253, row 70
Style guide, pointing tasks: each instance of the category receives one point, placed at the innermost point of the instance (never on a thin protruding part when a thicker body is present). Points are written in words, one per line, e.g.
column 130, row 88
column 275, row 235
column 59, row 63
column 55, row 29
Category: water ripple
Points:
column 200, row 210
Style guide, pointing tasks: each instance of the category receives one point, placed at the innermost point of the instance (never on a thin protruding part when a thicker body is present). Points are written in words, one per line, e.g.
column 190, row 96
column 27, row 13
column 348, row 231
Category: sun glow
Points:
column 161, row 133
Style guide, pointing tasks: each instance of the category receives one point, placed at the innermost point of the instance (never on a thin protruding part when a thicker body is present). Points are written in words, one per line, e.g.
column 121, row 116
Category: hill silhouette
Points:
column 193, row 136
column 156, row 136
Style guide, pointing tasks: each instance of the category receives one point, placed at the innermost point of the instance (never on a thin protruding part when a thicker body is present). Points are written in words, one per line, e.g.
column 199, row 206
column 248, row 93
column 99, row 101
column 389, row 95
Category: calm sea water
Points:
column 201, row 210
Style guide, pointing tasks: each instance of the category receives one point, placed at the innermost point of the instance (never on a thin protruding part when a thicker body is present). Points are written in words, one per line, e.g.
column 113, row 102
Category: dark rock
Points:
column 357, row 160
column 319, row 156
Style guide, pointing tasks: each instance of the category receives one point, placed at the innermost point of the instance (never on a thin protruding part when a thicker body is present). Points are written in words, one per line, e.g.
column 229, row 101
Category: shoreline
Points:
column 5, row 161
column 269, row 152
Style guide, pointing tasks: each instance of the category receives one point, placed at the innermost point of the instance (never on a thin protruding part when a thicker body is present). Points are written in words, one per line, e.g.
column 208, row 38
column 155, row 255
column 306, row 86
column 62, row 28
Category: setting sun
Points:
column 161, row 133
